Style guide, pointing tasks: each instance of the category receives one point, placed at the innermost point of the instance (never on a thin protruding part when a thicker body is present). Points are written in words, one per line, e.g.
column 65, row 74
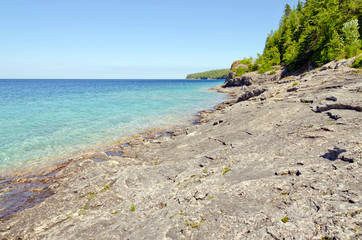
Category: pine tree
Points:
column 334, row 49
column 316, row 31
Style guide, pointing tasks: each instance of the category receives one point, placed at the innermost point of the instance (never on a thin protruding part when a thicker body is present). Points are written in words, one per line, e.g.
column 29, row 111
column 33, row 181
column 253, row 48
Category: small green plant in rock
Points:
column 133, row 208
column 225, row 170
column 285, row 219
column 193, row 225
column 85, row 206
column 201, row 220
column 295, row 84
column 106, row 187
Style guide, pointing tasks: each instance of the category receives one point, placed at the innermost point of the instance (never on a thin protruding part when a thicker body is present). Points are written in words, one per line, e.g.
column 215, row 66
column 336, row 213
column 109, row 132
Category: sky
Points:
column 138, row 39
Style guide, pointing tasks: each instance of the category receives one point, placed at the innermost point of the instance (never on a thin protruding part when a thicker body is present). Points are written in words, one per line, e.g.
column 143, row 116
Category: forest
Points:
column 313, row 33
column 310, row 34
column 213, row 74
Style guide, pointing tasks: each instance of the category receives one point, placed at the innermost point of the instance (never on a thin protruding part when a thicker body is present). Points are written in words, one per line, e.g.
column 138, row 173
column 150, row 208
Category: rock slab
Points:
column 276, row 165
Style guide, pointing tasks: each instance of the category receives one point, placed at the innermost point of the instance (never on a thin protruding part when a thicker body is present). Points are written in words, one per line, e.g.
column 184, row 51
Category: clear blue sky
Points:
column 130, row 39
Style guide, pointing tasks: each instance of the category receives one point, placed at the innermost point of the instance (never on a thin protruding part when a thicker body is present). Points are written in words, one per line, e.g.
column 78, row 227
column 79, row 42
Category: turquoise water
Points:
column 45, row 120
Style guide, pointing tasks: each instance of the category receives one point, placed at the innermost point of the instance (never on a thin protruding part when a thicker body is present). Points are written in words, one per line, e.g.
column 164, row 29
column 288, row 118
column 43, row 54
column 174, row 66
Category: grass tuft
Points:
column 133, row 208
column 285, row 219
column 225, row 170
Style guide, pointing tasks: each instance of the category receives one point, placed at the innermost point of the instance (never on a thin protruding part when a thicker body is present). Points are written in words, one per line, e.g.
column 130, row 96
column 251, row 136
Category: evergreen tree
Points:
column 334, row 49
column 300, row 6
column 316, row 31
column 287, row 10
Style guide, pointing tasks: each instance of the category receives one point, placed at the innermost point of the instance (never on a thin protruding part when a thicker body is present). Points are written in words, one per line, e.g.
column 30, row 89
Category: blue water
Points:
column 46, row 120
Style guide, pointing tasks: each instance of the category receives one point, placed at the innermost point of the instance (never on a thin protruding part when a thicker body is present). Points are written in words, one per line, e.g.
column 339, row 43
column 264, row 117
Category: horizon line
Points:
column 106, row 79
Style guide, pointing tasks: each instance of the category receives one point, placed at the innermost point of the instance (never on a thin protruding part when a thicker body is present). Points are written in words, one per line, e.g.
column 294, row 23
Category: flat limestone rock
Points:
column 268, row 167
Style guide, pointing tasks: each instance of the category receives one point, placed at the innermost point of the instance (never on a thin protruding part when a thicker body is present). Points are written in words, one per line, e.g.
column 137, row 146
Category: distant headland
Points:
column 213, row 74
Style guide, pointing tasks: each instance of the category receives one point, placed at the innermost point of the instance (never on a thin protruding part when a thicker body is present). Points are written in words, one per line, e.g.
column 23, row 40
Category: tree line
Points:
column 213, row 74
column 314, row 32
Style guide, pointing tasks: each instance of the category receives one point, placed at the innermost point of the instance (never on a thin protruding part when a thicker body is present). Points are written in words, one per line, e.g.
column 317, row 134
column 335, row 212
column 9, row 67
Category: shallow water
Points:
column 42, row 121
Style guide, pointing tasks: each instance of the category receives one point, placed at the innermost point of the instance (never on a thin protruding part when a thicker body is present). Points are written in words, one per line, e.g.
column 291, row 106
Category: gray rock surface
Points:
column 236, row 65
column 250, row 78
column 279, row 165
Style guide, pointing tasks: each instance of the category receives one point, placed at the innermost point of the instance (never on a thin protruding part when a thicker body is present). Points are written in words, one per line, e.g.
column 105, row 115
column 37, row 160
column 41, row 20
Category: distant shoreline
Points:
column 210, row 75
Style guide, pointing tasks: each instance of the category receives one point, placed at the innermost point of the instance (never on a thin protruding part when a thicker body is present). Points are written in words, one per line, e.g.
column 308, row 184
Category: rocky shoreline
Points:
column 281, row 160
